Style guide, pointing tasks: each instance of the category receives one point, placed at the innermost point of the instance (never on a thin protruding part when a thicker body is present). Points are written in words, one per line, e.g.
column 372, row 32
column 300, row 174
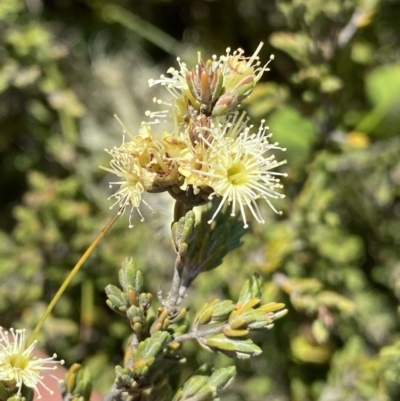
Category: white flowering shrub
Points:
column 331, row 100
column 212, row 158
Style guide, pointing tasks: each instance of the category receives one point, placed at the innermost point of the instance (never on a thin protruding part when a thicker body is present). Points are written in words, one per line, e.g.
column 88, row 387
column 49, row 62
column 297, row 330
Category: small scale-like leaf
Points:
column 250, row 303
column 222, row 378
column 206, row 316
column 252, row 288
column 77, row 383
column 271, row 307
column 231, row 347
column 237, row 323
column 135, row 314
column 235, row 333
column 152, row 345
column 182, row 231
column 222, row 310
column 192, row 386
column 116, row 297
column 127, row 274
column 145, row 300
column 138, row 281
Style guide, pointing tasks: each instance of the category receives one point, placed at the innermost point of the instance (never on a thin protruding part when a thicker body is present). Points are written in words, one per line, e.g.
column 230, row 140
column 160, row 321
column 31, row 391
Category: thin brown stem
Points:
column 70, row 276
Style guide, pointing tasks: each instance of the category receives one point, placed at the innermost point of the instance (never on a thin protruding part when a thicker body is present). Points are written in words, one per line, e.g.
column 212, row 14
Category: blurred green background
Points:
column 332, row 98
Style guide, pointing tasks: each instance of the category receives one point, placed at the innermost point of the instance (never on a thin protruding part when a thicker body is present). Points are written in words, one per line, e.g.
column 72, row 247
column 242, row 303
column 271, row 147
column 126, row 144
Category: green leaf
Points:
column 330, row 84
column 293, row 132
column 130, row 277
column 266, row 97
column 296, row 45
column 252, row 288
column 190, row 388
column 152, row 345
column 222, row 378
column 182, row 232
column 221, row 311
column 383, row 84
column 241, row 349
column 77, row 383
column 383, row 90
column 116, row 296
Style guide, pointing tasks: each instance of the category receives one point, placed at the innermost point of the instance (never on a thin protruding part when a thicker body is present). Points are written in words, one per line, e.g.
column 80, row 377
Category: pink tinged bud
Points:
column 244, row 87
column 232, row 98
column 205, row 88
column 205, row 84
column 218, row 80
column 190, row 84
column 226, row 103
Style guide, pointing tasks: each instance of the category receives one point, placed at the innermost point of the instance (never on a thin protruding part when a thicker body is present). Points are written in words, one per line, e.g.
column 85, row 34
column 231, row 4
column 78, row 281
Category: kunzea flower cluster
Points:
column 19, row 367
column 211, row 152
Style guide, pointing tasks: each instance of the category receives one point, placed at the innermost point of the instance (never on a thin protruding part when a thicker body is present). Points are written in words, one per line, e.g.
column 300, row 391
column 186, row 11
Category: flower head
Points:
column 211, row 151
column 214, row 87
column 145, row 163
column 18, row 367
column 237, row 169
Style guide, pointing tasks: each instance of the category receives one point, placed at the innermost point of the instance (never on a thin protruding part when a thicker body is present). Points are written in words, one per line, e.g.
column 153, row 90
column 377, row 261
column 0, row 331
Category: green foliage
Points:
column 201, row 387
column 154, row 348
column 212, row 242
column 225, row 325
column 77, row 384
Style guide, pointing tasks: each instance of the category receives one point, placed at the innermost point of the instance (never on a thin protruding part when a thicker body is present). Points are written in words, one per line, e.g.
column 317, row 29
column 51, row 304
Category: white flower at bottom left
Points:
column 18, row 366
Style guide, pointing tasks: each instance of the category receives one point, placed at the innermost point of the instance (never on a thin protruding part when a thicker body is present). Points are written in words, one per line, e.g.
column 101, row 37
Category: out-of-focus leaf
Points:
column 9, row 9
column 353, row 362
column 383, row 90
column 67, row 101
column 266, row 97
column 306, row 351
column 331, row 84
column 296, row 45
column 279, row 245
column 320, row 332
column 7, row 72
column 329, row 240
column 294, row 132
column 383, row 84
column 362, row 52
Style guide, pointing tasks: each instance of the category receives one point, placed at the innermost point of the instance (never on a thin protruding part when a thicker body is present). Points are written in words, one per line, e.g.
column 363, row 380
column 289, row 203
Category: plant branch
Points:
column 132, row 346
column 197, row 334
column 350, row 29
column 173, row 298
column 190, row 276
column 113, row 394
